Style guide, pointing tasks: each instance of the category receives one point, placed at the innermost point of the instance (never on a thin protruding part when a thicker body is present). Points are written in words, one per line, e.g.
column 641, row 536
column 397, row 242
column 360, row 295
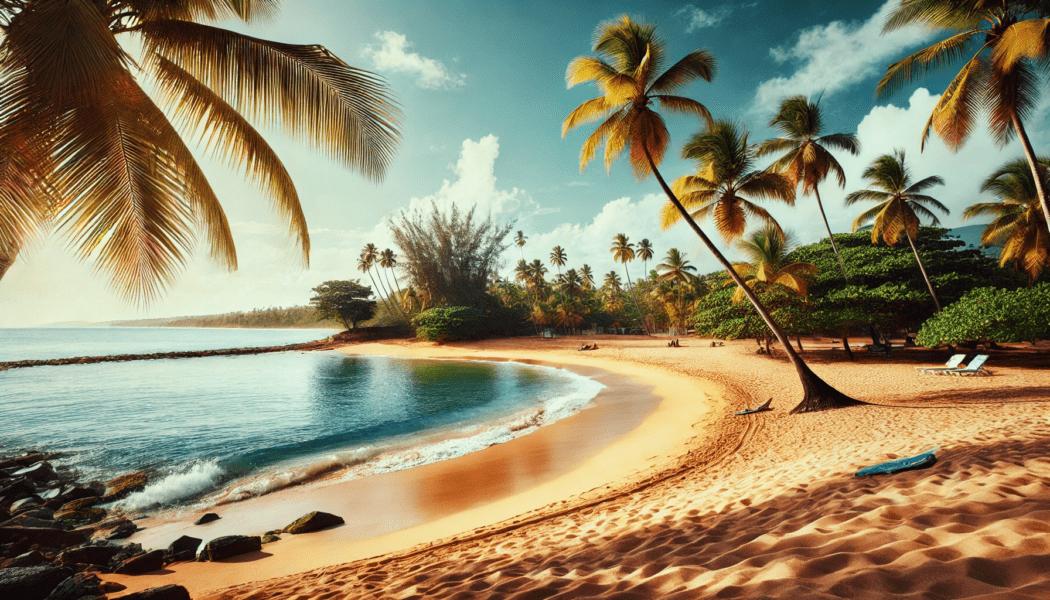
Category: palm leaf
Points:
column 1027, row 39
column 1012, row 94
column 599, row 137
column 682, row 105
column 698, row 64
column 591, row 110
column 952, row 117
column 866, row 196
column 922, row 62
column 587, row 68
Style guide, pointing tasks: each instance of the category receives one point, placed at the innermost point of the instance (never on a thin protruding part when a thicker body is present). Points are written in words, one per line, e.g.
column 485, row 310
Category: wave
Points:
column 199, row 478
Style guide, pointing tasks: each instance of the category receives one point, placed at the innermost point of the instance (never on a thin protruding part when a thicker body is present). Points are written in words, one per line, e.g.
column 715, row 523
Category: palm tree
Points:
column 767, row 251
column 587, row 277
column 571, row 284
column 1006, row 44
column 625, row 72
column 519, row 241
column 558, row 258
column 134, row 197
column 388, row 260
column 536, row 273
column 645, row 252
column 1019, row 226
column 901, row 203
column 724, row 180
column 677, row 269
column 807, row 161
column 369, row 256
column 612, row 281
column 623, row 252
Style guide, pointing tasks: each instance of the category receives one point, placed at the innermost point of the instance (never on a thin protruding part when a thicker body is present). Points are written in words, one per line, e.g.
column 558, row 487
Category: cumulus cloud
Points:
column 834, row 57
column 699, row 18
column 393, row 56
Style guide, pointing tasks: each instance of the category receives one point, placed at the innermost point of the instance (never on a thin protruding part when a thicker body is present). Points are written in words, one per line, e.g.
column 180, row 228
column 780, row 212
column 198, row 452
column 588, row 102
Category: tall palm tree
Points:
column 388, row 260
column 134, row 197
column 571, row 284
column 806, row 159
column 519, row 241
column 623, row 252
column 1005, row 44
column 1019, row 226
column 365, row 266
column 536, row 273
column 645, row 252
column 901, row 203
column 367, row 261
column 587, row 277
column 558, row 258
column 676, row 269
column 625, row 71
column 767, row 251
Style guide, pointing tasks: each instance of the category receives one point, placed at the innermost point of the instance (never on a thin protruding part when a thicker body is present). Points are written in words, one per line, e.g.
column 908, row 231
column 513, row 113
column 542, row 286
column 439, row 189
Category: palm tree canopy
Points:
column 726, row 182
column 519, row 239
column 675, row 267
column 387, row 259
column 133, row 196
column 612, row 281
column 622, row 250
column 806, row 159
column 645, row 250
column 628, row 70
column 586, row 277
column 1019, row 226
column 558, row 256
column 901, row 203
column 767, row 251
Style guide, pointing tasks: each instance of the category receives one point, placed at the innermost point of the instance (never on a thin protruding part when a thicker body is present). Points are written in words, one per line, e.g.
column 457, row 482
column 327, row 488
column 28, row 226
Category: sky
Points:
column 482, row 88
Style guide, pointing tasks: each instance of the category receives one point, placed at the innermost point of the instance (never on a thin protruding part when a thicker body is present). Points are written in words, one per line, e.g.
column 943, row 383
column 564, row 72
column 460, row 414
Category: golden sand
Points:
column 700, row 503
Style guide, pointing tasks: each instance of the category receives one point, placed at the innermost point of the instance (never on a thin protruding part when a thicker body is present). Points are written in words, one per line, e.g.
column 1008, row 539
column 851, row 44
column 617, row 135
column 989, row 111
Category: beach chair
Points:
column 976, row 367
column 952, row 364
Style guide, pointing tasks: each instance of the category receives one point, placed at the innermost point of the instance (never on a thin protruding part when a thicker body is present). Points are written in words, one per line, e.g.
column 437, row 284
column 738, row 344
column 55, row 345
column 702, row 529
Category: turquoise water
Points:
column 223, row 428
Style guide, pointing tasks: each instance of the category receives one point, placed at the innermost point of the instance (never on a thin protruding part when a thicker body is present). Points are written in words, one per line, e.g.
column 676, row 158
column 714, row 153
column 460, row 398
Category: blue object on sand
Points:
column 919, row 461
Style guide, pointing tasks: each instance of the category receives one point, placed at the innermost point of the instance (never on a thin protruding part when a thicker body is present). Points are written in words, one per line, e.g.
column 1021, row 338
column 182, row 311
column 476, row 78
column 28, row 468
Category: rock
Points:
column 207, row 518
column 27, row 503
column 167, row 592
column 270, row 537
column 79, row 503
column 76, row 587
column 80, row 516
column 314, row 521
column 88, row 555
column 143, row 563
column 51, row 493
column 229, row 546
column 40, row 513
column 22, row 488
column 121, row 487
column 42, row 536
column 31, row 583
column 28, row 521
column 41, row 471
column 32, row 558
column 184, row 548
column 72, row 493
column 111, row 587
column 115, row 528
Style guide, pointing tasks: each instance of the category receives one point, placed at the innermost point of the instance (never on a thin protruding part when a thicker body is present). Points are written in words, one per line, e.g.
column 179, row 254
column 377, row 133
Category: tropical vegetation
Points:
column 987, row 315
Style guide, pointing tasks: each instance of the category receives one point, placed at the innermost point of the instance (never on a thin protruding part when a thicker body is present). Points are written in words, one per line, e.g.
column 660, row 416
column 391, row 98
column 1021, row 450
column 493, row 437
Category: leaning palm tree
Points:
column 388, row 260
column 365, row 263
column 626, row 71
column 806, row 160
column 623, row 252
column 134, row 198
column 766, row 266
column 900, row 204
column 676, row 269
column 1019, row 226
column 1005, row 44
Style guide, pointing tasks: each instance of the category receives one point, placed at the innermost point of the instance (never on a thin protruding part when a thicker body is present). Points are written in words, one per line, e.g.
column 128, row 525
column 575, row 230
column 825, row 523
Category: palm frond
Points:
column 866, row 217
column 599, row 137
column 591, row 110
column 1026, row 39
column 847, row 142
column 952, row 118
column 648, row 132
column 698, row 64
column 776, row 145
column 923, row 62
column 1012, row 94
column 686, row 106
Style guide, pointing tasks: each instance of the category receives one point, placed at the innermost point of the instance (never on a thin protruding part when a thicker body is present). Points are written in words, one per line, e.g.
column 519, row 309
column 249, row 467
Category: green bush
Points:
column 991, row 314
column 449, row 323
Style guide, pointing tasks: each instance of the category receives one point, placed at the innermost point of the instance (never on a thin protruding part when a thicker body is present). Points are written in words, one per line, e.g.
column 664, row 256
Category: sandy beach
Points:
column 694, row 502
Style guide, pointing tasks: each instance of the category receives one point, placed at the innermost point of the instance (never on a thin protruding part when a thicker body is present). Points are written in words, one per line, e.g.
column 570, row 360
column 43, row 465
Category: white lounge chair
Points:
column 976, row 367
column 951, row 365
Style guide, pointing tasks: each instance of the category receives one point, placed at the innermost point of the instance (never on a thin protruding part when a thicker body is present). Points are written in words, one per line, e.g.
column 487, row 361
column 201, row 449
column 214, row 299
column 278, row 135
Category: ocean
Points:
column 219, row 429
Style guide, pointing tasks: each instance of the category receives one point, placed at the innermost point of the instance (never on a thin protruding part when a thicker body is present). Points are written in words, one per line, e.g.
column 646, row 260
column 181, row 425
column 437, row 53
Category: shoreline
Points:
column 461, row 491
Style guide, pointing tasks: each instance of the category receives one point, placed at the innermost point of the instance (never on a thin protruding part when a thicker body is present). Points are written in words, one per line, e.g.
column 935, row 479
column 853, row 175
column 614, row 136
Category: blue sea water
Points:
column 222, row 428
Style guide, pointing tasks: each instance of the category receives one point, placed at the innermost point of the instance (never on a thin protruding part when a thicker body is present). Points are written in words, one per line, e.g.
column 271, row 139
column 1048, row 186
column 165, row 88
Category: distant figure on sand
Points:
column 674, row 344
column 588, row 347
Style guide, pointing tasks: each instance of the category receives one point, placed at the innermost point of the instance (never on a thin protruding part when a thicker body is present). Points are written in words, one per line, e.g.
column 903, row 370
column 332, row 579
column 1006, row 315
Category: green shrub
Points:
column 991, row 314
column 449, row 323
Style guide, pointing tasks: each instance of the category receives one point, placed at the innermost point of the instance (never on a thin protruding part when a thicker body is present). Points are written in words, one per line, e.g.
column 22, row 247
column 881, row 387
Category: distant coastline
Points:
column 295, row 317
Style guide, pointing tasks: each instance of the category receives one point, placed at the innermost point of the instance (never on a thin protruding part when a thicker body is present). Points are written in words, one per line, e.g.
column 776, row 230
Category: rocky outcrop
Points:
column 230, row 546
column 167, row 592
column 42, row 536
column 143, row 563
column 182, row 549
column 88, row 555
column 31, row 583
column 121, row 487
column 207, row 518
column 314, row 521
column 81, row 585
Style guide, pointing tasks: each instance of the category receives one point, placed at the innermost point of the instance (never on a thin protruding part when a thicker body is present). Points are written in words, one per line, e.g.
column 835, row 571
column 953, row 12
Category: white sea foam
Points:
column 200, row 477
column 270, row 481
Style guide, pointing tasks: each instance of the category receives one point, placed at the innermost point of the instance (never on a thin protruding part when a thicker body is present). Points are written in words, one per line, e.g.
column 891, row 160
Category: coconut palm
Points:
column 388, row 260
column 645, row 252
column 571, row 284
column 586, row 277
column 623, row 252
column 1005, row 44
column 612, row 281
column 766, row 266
column 901, row 204
column 1019, row 226
column 558, row 257
column 367, row 260
column 519, row 241
column 134, row 198
column 536, row 273
column 676, row 269
column 806, row 159
column 629, row 57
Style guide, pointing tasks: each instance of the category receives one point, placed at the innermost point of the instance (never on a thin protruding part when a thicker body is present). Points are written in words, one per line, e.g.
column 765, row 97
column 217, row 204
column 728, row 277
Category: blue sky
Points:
column 482, row 88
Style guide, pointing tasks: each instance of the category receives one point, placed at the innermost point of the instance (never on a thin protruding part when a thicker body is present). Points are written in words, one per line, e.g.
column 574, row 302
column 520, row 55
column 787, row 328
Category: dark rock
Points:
column 51, row 493
column 112, row 587
column 184, row 548
column 41, row 471
column 126, row 551
column 314, row 521
column 32, row 558
column 22, row 461
column 53, row 504
column 76, row 587
column 123, row 530
column 167, row 592
column 22, row 488
column 112, row 528
column 207, row 518
column 27, row 503
column 71, row 493
column 40, row 513
column 143, row 563
column 229, row 546
column 121, row 487
column 80, row 516
column 270, row 537
column 28, row 521
column 31, row 583
column 88, row 555
column 42, row 536
column 79, row 503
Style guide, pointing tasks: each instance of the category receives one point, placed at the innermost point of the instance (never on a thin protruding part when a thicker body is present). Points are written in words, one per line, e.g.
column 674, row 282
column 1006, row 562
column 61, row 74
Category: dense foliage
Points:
column 273, row 317
column 991, row 314
column 454, row 323
column 344, row 300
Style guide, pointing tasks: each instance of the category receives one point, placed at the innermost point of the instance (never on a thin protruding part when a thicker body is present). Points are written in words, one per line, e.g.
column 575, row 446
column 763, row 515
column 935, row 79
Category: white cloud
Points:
column 834, row 57
column 700, row 18
column 393, row 56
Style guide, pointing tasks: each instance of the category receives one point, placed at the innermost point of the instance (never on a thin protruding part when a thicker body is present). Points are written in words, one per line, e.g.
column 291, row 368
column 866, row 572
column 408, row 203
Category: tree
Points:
column 991, row 315
column 365, row 262
column 449, row 255
column 625, row 70
column 901, row 202
column 645, row 253
column 132, row 195
column 767, row 251
column 807, row 161
column 1005, row 43
column 346, row 301
column 677, row 269
column 623, row 252
column 388, row 260
column 1019, row 227
column 586, row 277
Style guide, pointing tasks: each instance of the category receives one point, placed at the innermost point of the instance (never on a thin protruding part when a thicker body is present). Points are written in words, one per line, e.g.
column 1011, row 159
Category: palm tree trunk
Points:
column 634, row 299
column 1033, row 164
column 936, row 301
column 396, row 302
column 831, row 236
column 817, row 394
column 379, row 293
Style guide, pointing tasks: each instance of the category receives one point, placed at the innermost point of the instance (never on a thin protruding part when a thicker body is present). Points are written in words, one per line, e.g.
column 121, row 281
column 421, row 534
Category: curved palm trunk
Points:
column 396, row 301
column 378, row 292
column 634, row 298
column 1033, row 164
column 936, row 301
column 817, row 393
column 831, row 236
